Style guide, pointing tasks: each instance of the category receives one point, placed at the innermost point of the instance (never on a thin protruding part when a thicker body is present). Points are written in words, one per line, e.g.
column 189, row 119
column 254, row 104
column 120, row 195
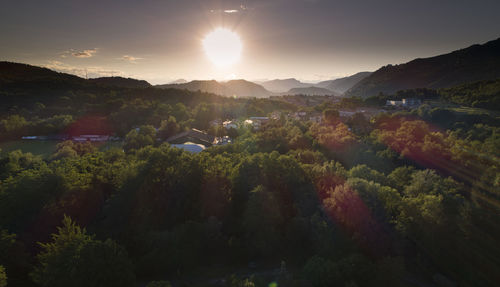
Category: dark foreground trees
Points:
column 74, row 258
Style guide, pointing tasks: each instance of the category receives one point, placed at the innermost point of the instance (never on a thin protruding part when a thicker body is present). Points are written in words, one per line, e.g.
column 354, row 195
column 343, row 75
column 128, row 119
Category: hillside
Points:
column 310, row 91
column 16, row 75
column 284, row 85
column 237, row 88
column 341, row 85
column 475, row 63
column 483, row 94
column 242, row 88
column 120, row 82
column 27, row 75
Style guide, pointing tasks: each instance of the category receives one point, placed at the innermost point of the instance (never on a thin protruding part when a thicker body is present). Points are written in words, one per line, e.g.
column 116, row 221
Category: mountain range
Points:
column 341, row 85
column 283, row 85
column 475, row 63
column 472, row 64
column 233, row 88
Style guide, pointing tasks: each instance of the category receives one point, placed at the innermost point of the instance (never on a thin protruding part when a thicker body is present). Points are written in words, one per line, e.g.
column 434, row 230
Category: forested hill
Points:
column 311, row 91
column 23, row 76
column 482, row 94
column 475, row 63
column 120, row 82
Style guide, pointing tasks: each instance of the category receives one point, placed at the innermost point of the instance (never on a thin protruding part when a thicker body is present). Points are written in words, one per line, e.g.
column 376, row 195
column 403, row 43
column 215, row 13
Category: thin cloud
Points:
column 84, row 54
column 90, row 72
column 130, row 59
column 242, row 8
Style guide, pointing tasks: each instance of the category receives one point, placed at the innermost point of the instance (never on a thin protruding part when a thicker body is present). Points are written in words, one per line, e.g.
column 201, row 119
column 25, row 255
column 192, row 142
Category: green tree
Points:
column 260, row 220
column 321, row 272
column 3, row 277
column 330, row 116
column 401, row 177
column 74, row 258
column 139, row 138
column 168, row 128
column 7, row 240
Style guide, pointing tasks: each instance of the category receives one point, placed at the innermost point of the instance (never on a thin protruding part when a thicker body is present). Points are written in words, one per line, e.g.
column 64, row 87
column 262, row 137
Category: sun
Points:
column 223, row 47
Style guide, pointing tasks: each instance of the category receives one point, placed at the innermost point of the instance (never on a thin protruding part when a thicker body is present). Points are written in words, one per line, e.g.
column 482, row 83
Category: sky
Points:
column 311, row 40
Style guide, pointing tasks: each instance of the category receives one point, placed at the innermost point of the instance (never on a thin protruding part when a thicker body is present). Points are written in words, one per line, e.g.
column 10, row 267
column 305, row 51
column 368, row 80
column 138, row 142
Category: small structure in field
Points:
column 192, row 136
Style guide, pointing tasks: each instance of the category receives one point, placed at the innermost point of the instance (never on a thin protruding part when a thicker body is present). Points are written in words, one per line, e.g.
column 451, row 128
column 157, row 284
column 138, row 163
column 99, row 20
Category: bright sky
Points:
column 312, row 40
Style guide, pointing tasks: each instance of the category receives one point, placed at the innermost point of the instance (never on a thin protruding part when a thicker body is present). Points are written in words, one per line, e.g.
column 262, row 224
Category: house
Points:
column 222, row 140
column 412, row 102
column 192, row 136
column 229, row 125
column 316, row 118
column 346, row 114
column 394, row 103
column 298, row 116
column 262, row 120
column 276, row 115
column 257, row 122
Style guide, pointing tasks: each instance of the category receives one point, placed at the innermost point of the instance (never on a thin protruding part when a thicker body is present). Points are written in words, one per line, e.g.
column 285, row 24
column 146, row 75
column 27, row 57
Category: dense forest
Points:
column 404, row 198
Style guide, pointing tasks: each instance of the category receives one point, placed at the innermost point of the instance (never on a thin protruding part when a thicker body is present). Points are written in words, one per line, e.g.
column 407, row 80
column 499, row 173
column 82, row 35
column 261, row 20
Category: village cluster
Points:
column 195, row 140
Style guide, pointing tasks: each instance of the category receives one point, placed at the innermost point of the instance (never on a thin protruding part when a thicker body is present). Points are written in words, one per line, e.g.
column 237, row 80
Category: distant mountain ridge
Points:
column 179, row 81
column 330, row 87
column 475, row 63
column 283, row 85
column 233, row 88
column 342, row 85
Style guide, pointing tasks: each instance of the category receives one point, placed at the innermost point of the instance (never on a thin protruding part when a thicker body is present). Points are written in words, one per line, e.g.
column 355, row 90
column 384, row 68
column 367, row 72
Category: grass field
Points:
column 44, row 148
column 462, row 109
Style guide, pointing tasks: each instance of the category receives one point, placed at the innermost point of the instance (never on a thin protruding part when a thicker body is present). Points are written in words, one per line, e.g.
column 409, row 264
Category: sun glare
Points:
column 223, row 47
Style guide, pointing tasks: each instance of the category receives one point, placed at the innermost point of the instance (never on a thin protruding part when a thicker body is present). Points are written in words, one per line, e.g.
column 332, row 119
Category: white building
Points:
column 257, row 122
column 222, row 140
column 411, row 102
column 394, row 103
column 229, row 125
